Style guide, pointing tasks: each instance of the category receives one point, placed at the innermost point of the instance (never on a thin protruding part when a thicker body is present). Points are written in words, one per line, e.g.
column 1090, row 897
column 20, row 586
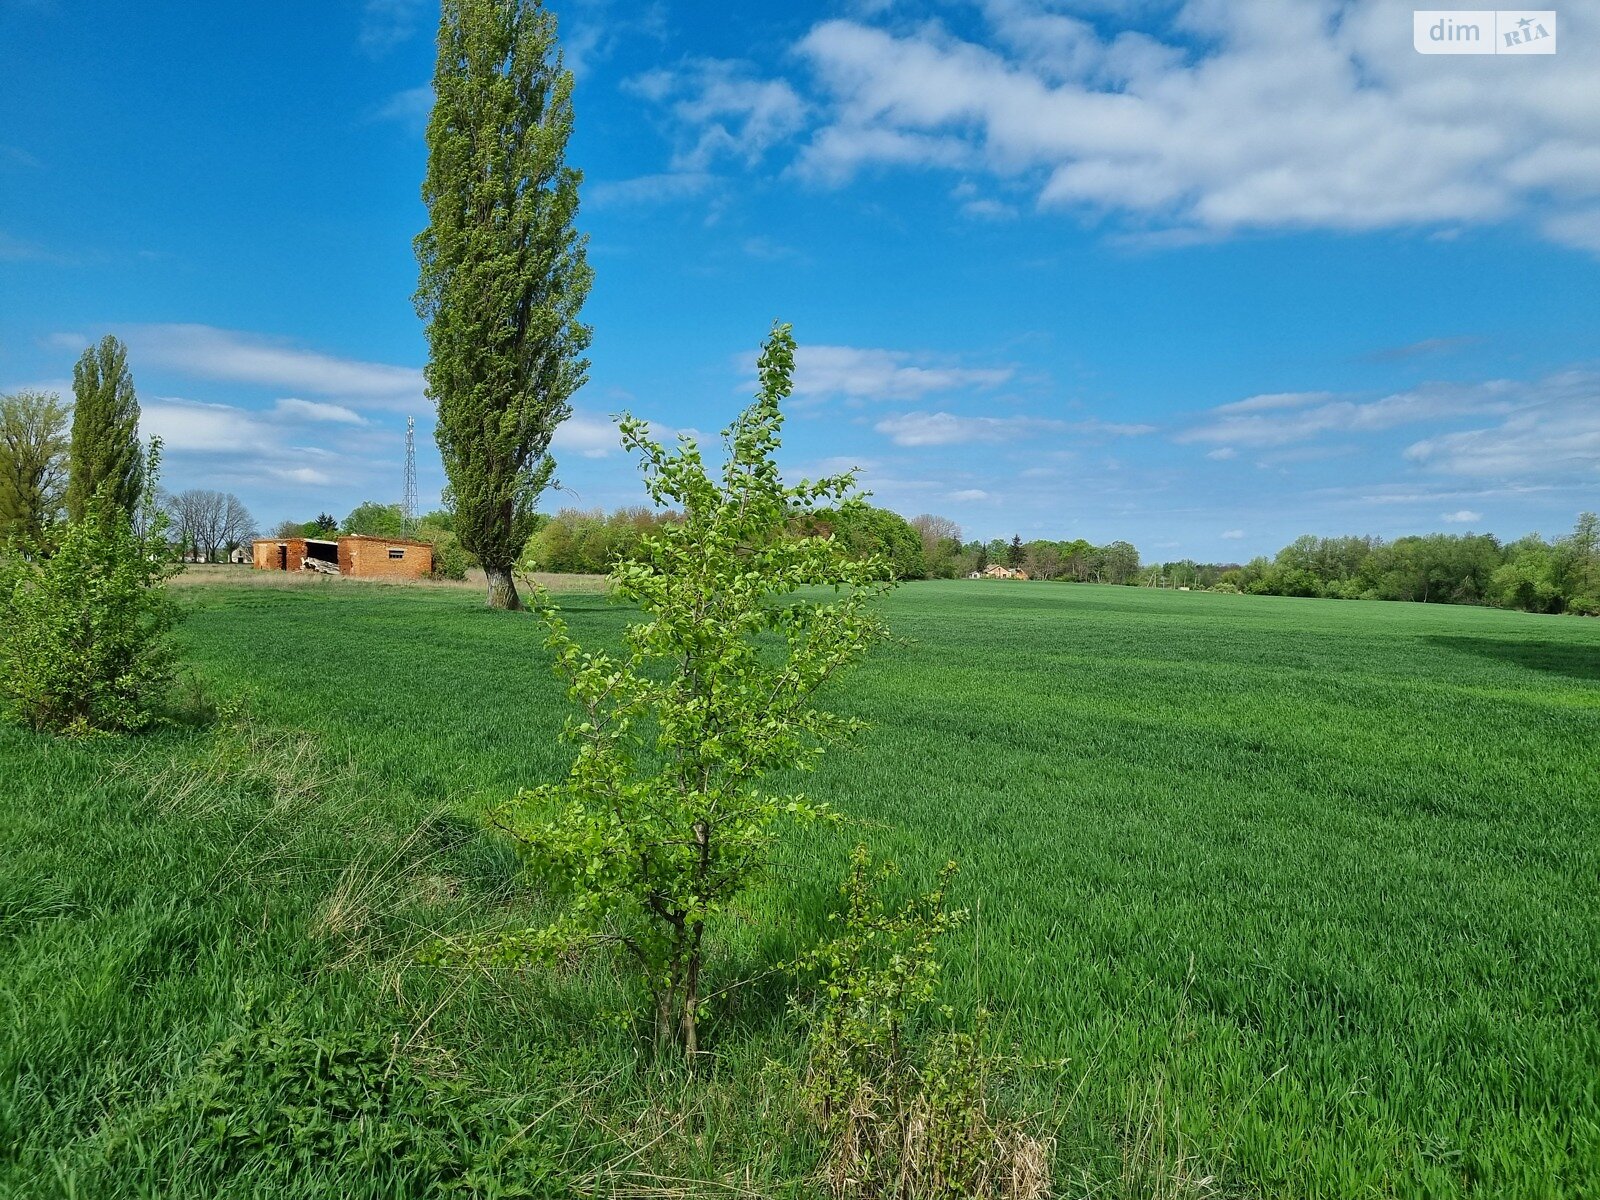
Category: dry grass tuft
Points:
column 914, row 1148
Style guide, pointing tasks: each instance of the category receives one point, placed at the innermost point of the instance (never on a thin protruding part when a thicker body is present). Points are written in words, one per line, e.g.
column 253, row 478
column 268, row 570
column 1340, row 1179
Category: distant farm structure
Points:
column 998, row 571
column 356, row 556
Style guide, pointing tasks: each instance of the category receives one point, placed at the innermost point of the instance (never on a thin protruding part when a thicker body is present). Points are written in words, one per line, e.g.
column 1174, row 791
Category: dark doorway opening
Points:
column 327, row 552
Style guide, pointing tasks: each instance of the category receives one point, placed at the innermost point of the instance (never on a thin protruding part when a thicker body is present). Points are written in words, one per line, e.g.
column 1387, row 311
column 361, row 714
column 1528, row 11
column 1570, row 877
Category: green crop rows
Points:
column 1306, row 894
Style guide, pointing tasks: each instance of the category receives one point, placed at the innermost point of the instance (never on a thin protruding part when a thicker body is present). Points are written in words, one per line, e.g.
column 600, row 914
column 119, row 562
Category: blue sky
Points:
column 1200, row 275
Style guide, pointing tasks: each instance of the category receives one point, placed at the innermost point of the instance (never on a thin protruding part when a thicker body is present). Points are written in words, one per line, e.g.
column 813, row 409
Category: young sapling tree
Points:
column 662, row 819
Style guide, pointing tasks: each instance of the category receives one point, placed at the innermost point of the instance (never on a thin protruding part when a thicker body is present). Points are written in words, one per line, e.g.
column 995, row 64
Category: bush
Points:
column 449, row 559
column 906, row 1109
column 1585, row 606
column 85, row 632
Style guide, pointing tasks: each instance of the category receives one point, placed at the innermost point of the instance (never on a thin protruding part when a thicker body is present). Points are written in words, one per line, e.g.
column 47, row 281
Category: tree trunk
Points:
column 691, row 1000
column 502, row 589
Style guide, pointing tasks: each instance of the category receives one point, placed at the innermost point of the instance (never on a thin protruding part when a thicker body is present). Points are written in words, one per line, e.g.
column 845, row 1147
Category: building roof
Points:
column 347, row 537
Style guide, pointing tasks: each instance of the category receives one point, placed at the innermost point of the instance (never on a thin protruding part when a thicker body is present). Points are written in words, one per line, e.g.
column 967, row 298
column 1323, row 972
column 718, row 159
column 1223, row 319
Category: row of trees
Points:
column 48, row 475
column 1530, row 573
column 206, row 523
column 925, row 547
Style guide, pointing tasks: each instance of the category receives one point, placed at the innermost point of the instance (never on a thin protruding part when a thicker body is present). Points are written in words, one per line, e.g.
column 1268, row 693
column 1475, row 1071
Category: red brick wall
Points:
column 368, row 558
column 265, row 553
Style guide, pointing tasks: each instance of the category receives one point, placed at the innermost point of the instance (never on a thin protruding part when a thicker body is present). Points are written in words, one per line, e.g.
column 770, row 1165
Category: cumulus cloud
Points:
column 586, row 435
column 1298, row 114
column 722, row 110
column 194, row 427
column 205, row 352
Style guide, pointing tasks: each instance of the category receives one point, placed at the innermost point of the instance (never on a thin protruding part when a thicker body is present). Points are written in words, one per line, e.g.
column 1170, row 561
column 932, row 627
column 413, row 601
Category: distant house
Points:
column 241, row 554
column 999, row 571
column 355, row 555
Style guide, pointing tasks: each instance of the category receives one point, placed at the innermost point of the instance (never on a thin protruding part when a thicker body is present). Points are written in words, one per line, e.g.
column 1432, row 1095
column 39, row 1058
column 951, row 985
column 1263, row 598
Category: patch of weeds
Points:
column 907, row 1111
column 282, row 1105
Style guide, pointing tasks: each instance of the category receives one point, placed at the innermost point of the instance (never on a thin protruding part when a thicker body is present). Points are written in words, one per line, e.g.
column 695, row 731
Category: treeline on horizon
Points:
column 1532, row 574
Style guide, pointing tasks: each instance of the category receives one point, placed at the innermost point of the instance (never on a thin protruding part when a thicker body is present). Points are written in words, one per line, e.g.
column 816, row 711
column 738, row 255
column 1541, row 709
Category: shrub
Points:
column 449, row 559
column 85, row 632
column 905, row 1109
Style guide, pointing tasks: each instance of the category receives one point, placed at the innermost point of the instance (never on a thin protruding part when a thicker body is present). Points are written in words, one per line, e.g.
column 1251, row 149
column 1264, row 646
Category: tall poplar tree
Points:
column 33, row 463
column 503, row 272
column 105, row 448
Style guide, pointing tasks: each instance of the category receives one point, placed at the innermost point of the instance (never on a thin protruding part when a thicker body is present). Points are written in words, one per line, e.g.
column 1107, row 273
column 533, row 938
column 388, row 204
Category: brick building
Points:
column 355, row 555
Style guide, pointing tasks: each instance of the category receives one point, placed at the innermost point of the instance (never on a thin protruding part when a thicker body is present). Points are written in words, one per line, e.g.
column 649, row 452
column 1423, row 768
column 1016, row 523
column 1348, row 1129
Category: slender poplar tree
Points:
column 33, row 464
column 503, row 271
column 105, row 451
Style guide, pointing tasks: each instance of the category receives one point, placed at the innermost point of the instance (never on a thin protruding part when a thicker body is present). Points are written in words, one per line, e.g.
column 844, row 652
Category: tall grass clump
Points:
column 904, row 1100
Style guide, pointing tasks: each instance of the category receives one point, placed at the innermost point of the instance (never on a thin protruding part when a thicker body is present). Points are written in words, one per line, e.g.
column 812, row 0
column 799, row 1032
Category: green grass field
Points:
column 1305, row 892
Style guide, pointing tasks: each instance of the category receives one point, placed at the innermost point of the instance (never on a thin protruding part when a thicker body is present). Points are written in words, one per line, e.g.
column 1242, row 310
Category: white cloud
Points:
column 1461, row 516
column 1094, row 427
column 312, row 410
column 1222, row 453
column 948, row 429
column 1232, row 535
column 309, row 476
column 1297, row 114
column 722, row 110
column 386, row 24
column 664, row 188
column 593, row 30
column 586, row 435
column 205, row 352
column 590, row 435
column 868, row 374
column 1264, row 421
column 968, row 494
column 1580, row 229
column 1274, row 401
column 1554, row 433
column 986, row 209
column 190, row 426
column 409, row 107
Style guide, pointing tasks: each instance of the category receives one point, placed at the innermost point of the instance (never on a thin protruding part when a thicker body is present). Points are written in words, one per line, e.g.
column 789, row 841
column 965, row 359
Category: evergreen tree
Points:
column 503, row 272
column 105, row 450
column 1015, row 552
